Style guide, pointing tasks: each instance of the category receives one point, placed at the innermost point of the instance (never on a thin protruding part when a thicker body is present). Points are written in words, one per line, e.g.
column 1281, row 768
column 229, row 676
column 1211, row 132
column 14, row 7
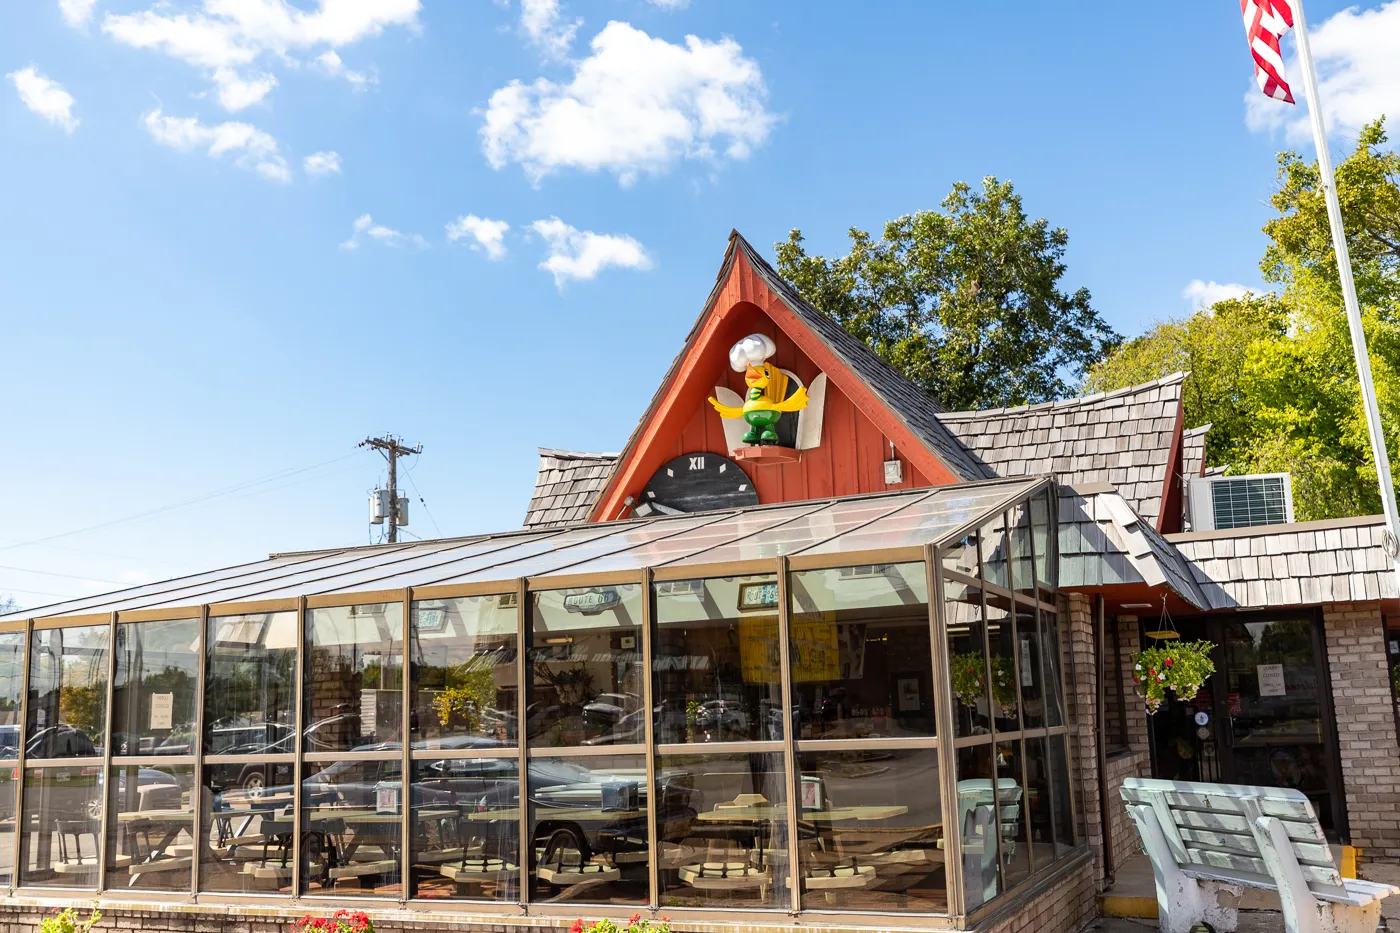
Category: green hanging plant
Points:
column 1181, row 667
column 970, row 681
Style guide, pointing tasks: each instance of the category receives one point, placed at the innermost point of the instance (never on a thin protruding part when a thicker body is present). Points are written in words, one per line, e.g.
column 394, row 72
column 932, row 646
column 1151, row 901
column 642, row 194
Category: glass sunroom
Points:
column 839, row 708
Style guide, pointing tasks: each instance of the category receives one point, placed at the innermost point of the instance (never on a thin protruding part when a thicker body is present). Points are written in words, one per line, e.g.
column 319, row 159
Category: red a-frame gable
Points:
column 860, row 432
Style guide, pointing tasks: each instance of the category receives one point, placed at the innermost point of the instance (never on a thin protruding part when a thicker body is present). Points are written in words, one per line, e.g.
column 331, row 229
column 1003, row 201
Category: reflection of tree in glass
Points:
column 471, row 688
column 258, row 687
column 573, row 685
column 81, row 706
column 1289, row 639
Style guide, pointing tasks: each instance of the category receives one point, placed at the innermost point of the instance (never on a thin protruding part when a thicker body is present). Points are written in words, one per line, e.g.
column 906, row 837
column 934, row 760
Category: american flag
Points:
column 1265, row 21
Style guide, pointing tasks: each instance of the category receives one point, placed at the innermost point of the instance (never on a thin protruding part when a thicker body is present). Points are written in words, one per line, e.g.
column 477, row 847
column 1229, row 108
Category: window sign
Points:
column 1271, row 680
column 162, row 710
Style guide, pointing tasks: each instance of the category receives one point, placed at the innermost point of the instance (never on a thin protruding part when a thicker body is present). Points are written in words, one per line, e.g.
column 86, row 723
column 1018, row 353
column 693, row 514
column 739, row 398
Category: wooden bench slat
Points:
column 1244, row 863
column 1231, row 823
column 1274, row 804
column 1309, row 853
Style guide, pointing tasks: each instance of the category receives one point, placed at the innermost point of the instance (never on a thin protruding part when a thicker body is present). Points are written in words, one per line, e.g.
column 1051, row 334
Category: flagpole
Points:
column 1339, row 246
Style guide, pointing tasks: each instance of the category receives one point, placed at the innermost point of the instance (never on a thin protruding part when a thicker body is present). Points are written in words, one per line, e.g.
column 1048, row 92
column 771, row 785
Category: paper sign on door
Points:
column 162, row 710
column 1271, row 680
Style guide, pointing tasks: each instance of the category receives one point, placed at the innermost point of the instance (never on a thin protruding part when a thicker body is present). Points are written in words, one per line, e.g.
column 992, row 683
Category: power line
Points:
column 281, row 474
column 66, row 576
column 409, row 474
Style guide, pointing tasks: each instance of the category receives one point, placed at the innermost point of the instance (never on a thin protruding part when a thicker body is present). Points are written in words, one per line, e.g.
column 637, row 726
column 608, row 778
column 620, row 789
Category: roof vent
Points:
column 1221, row 502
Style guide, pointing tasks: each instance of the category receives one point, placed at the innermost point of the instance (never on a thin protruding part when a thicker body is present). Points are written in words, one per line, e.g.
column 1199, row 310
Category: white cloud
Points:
column 1358, row 76
column 76, row 12
column 543, row 23
column 227, row 38
column 322, row 163
column 328, row 62
column 486, row 235
column 45, row 97
column 637, row 104
column 1204, row 294
column 365, row 229
column 581, row 254
column 251, row 148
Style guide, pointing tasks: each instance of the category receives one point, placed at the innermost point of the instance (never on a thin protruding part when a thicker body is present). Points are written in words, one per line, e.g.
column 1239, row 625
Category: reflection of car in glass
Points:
column 60, row 741
column 147, row 779
column 721, row 716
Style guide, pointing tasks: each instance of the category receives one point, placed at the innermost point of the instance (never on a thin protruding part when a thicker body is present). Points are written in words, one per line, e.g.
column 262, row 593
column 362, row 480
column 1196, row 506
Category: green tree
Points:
column 1275, row 374
column 966, row 302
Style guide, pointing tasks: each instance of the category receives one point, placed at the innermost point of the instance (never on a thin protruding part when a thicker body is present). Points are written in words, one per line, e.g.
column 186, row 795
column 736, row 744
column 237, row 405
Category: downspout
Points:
column 1101, row 714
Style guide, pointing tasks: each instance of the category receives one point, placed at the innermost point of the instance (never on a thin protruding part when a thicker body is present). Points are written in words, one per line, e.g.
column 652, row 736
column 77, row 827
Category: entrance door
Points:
column 1263, row 718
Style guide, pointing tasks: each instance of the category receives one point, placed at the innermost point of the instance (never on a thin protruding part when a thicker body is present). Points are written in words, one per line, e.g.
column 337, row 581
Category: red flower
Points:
column 1169, row 662
column 577, row 927
column 665, row 919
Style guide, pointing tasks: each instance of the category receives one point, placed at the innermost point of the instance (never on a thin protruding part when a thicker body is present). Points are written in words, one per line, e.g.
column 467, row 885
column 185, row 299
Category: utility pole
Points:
column 392, row 448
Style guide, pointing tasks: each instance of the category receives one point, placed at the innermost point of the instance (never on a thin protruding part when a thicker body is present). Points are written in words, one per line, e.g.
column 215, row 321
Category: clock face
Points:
column 699, row 482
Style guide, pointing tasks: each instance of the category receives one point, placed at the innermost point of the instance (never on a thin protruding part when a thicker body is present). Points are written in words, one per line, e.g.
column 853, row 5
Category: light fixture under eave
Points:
column 1134, row 605
column 561, row 640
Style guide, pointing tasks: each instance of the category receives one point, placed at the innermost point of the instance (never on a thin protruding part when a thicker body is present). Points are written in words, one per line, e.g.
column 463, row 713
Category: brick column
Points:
column 1138, row 762
column 1366, row 741
column 1081, row 711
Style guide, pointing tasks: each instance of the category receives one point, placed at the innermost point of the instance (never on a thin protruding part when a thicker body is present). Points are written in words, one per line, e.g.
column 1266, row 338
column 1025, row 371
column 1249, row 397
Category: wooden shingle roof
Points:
column 1337, row 560
column 566, row 485
column 1122, row 437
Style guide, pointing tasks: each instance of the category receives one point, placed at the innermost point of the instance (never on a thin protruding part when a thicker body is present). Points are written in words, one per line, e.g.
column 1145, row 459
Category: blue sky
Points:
column 240, row 235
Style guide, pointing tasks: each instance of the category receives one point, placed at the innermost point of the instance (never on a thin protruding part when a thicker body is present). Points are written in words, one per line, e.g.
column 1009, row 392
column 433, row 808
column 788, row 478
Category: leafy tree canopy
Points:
column 1274, row 374
column 966, row 302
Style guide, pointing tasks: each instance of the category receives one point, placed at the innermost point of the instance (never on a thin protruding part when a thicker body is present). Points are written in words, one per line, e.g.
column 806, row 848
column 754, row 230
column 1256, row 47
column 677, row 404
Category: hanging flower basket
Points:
column 970, row 681
column 1181, row 667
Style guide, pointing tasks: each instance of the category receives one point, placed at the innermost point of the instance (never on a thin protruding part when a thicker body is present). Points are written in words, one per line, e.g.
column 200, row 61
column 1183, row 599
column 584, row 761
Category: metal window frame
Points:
column 791, row 746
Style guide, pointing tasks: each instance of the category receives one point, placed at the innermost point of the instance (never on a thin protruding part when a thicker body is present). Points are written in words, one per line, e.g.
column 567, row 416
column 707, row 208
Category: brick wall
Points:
column 1365, row 726
column 1081, row 707
column 1138, row 762
column 1067, row 904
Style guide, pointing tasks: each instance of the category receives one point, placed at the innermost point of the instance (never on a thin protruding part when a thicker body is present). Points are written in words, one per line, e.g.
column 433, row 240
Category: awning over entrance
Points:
column 881, row 526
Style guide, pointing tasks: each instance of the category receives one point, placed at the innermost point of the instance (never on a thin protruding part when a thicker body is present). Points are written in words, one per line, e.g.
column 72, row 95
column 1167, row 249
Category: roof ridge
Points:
column 1029, row 407
column 575, row 454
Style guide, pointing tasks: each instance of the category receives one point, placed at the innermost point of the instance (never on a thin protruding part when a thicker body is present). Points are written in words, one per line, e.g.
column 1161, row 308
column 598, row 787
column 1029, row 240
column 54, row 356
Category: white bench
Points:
column 1198, row 835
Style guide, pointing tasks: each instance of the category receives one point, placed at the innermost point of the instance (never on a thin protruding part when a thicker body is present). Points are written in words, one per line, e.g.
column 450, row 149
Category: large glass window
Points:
column 977, row 821
column 464, row 684
column 1012, row 801
column 718, row 670
column 62, row 824
column 251, row 684
column 154, row 689
column 466, row 829
column 585, row 660
column 967, row 659
column 68, row 692
column 246, row 837
column 588, row 823
column 150, row 830
column 870, row 831
column 354, row 663
column 722, row 826
column 11, row 687
column 352, row 828
column 861, row 652
column 1011, row 769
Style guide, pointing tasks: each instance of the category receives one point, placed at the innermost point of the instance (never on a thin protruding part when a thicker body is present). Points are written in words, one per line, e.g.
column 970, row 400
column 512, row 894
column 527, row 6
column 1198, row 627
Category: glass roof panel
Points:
column 503, row 551
column 623, row 544
column 926, row 521
column 697, row 542
column 807, row 530
column 826, row 527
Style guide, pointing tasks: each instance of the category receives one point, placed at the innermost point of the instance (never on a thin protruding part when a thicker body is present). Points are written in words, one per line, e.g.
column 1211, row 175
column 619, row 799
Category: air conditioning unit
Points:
column 1221, row 502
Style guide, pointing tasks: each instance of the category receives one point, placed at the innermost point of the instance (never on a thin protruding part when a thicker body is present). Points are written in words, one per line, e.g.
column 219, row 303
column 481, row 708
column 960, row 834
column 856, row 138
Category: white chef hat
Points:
column 753, row 349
